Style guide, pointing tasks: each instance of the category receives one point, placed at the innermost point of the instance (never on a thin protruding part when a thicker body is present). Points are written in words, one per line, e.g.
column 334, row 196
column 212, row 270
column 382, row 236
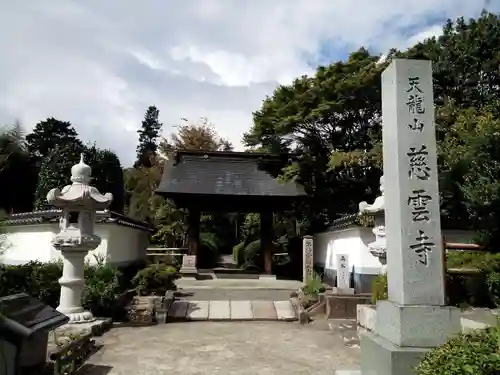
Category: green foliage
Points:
column 209, row 253
column 107, row 174
column 148, row 138
column 238, row 253
column 49, row 135
column 251, row 255
column 379, row 288
column 493, row 284
column 55, row 172
column 314, row 286
column 102, row 290
column 103, row 285
column 40, row 280
column 155, row 279
column 18, row 168
column 476, row 353
column 472, row 259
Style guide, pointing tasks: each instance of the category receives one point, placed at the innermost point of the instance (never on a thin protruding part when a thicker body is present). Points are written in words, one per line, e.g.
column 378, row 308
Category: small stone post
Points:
column 307, row 258
column 79, row 203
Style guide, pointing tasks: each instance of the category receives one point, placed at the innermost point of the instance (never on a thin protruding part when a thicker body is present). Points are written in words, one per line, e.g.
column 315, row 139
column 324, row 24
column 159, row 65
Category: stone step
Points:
column 231, row 310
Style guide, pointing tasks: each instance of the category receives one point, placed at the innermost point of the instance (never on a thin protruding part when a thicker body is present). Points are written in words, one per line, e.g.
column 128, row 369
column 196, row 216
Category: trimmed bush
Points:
column 39, row 280
column 209, row 252
column 103, row 290
column 379, row 288
column 476, row 353
column 238, row 254
column 104, row 285
column 155, row 279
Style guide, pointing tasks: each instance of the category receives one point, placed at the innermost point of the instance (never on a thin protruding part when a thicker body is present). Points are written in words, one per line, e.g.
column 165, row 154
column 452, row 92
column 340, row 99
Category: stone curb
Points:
column 168, row 300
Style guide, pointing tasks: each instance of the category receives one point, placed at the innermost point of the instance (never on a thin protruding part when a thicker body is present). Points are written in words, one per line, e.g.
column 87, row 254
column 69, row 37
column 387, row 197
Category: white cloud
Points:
column 99, row 64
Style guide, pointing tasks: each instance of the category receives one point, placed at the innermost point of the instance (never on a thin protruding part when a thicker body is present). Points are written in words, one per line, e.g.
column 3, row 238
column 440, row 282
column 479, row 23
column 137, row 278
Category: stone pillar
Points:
column 193, row 231
column 266, row 240
column 190, row 260
column 79, row 203
column 307, row 258
column 415, row 317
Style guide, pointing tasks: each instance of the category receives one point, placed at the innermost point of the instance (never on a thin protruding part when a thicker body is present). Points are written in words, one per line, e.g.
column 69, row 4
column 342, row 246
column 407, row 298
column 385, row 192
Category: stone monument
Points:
column 307, row 258
column 343, row 275
column 79, row 203
column 377, row 248
column 414, row 318
column 188, row 269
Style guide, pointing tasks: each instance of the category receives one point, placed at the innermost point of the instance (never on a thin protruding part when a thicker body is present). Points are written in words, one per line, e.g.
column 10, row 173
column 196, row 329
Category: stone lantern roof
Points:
column 79, row 194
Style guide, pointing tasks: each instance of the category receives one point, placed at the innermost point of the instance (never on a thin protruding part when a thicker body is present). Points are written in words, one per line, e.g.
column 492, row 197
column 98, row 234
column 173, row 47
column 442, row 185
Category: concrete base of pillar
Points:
column 188, row 272
column 381, row 357
column 78, row 317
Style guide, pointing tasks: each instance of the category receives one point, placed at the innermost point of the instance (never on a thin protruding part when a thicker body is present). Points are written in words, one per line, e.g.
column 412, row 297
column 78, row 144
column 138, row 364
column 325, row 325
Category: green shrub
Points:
column 155, row 279
column 314, row 286
column 251, row 255
column 102, row 290
column 209, row 253
column 473, row 259
column 476, row 353
column 238, row 253
column 103, row 285
column 493, row 283
column 39, row 280
column 379, row 288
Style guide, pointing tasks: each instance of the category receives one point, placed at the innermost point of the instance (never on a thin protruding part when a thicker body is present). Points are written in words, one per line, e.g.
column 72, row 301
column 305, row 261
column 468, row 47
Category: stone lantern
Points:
column 79, row 203
column 377, row 248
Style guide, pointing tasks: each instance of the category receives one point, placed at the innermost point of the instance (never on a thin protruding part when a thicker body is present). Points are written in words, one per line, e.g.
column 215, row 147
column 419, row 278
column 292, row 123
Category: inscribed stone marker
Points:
column 307, row 258
column 412, row 215
column 343, row 271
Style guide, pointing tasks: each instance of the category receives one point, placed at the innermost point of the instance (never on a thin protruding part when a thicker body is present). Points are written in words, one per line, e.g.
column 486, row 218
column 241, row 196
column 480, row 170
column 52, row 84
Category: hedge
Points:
column 476, row 353
column 104, row 285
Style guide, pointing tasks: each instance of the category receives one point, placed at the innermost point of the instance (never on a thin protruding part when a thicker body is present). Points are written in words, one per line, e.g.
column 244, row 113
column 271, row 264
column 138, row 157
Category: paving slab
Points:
column 197, row 310
column 264, row 310
column 178, row 309
column 219, row 310
column 241, row 310
column 284, row 310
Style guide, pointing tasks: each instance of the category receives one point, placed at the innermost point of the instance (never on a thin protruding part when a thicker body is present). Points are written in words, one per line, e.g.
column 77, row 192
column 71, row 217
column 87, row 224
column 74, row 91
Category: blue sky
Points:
column 100, row 64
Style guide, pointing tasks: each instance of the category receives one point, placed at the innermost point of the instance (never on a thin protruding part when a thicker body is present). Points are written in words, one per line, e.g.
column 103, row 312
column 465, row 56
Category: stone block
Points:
column 343, row 291
column 219, row 310
column 381, row 357
column 417, row 325
column 366, row 316
column 188, row 269
column 197, row 310
column 344, row 306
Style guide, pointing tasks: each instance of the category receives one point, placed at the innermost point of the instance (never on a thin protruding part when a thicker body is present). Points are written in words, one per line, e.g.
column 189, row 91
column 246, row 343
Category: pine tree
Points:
column 148, row 138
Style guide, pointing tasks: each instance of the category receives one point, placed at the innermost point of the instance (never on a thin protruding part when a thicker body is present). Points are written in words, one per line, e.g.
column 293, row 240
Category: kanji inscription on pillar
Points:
column 307, row 258
column 412, row 214
column 343, row 279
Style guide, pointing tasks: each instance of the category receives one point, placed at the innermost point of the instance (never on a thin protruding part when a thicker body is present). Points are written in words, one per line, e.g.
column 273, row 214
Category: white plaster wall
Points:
column 351, row 241
column 354, row 242
column 119, row 244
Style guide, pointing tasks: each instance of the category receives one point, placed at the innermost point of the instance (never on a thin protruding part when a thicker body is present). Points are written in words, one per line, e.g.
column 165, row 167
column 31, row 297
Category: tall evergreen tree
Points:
column 49, row 134
column 148, row 138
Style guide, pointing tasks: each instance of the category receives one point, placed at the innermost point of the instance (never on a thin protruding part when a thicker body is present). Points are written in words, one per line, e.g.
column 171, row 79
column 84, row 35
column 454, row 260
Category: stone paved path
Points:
column 223, row 348
column 231, row 310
